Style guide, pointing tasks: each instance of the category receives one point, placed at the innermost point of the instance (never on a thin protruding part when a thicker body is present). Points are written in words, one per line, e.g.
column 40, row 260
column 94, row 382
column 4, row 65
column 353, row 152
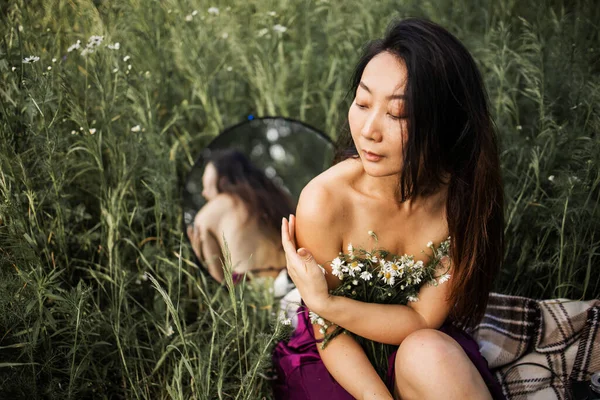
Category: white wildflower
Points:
column 551, row 178
column 279, row 28
column 170, row 331
column 74, row 46
column 374, row 259
column 519, row 127
column 126, row 58
column 73, row 132
column 413, row 298
column 320, row 321
column 14, row 69
column 138, row 281
column 263, row 32
column 229, row 69
column 313, row 317
column 49, row 68
column 54, row 60
column 86, row 51
column 114, row 46
column 271, row 13
column 136, row 128
column 31, row 59
column 286, row 321
column 444, row 278
column 350, row 248
column 115, row 70
column 94, row 41
column 389, row 278
column 355, row 282
column 129, row 67
column 429, row 244
column 189, row 17
column 213, row 11
column 366, row 276
column 92, row 131
column 195, row 12
column 225, row 35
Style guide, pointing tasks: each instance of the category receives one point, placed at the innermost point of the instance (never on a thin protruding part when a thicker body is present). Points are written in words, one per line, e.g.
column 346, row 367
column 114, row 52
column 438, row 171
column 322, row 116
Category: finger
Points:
column 292, row 229
column 287, row 244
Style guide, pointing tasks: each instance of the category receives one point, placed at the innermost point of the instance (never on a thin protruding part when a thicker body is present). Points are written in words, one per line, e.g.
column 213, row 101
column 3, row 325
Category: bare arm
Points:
column 388, row 323
column 343, row 357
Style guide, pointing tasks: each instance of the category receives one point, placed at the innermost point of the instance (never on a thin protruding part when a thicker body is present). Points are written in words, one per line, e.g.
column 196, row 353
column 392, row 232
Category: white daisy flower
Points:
column 279, row 28
column 389, row 278
column 366, row 276
column 74, row 46
column 95, row 40
column 136, row 128
column 213, row 11
column 170, row 331
column 31, row 59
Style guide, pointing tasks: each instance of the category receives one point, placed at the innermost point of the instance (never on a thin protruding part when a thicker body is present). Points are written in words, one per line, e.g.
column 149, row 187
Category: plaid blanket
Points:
column 561, row 335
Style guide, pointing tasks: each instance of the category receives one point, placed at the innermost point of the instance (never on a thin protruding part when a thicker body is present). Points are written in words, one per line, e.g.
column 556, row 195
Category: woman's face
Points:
column 209, row 182
column 377, row 116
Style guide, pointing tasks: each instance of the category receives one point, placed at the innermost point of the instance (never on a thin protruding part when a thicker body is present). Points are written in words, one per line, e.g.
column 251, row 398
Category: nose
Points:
column 371, row 129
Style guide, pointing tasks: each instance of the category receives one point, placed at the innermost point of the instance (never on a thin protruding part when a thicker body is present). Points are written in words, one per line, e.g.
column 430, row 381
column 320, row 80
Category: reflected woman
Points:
column 243, row 210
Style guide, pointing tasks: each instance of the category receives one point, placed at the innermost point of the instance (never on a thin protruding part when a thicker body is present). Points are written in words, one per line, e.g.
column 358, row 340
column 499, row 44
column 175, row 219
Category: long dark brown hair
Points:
column 263, row 199
column 450, row 134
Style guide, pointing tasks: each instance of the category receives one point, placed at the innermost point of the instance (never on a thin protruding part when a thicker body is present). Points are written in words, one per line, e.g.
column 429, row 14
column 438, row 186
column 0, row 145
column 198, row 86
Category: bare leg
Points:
column 431, row 365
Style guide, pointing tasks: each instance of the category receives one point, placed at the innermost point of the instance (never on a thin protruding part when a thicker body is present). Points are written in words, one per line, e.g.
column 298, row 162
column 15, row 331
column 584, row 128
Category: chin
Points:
column 377, row 170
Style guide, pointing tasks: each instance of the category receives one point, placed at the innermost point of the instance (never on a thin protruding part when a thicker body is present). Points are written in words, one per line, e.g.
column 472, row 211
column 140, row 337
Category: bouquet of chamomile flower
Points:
column 377, row 276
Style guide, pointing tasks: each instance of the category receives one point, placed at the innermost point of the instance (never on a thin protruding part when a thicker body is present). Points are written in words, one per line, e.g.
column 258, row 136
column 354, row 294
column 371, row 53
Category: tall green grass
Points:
column 98, row 296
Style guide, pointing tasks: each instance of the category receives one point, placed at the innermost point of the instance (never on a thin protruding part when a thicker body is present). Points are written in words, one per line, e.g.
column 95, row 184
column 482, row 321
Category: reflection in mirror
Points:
column 243, row 183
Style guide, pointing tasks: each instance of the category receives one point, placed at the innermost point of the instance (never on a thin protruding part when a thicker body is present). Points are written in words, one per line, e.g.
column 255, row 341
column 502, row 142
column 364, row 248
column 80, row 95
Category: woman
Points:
column 243, row 212
column 420, row 164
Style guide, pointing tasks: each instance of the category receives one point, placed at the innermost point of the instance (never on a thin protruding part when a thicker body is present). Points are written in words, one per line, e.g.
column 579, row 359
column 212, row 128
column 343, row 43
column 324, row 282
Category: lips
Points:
column 372, row 156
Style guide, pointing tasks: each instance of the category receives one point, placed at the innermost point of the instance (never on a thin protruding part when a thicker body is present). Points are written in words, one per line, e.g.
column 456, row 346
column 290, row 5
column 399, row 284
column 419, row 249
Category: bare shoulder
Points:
column 214, row 210
column 325, row 198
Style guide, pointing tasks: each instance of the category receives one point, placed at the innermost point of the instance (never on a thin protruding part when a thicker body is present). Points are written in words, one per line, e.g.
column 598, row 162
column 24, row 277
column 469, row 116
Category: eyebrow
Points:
column 391, row 97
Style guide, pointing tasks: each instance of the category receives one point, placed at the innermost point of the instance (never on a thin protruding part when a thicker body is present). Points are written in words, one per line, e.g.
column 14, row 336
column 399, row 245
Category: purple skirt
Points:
column 301, row 374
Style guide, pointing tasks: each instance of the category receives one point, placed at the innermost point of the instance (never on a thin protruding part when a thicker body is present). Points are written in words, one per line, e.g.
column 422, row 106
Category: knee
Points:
column 421, row 351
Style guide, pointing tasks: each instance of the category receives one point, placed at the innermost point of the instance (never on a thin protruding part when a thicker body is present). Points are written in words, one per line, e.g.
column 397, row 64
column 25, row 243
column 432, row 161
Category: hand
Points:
column 303, row 269
column 194, row 236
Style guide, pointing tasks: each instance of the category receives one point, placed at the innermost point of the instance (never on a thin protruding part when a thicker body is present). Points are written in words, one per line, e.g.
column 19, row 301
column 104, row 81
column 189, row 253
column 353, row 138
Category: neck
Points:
column 386, row 188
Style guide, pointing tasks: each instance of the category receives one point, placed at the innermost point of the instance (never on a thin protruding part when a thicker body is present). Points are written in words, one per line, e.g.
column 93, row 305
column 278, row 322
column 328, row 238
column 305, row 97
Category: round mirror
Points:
column 286, row 154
